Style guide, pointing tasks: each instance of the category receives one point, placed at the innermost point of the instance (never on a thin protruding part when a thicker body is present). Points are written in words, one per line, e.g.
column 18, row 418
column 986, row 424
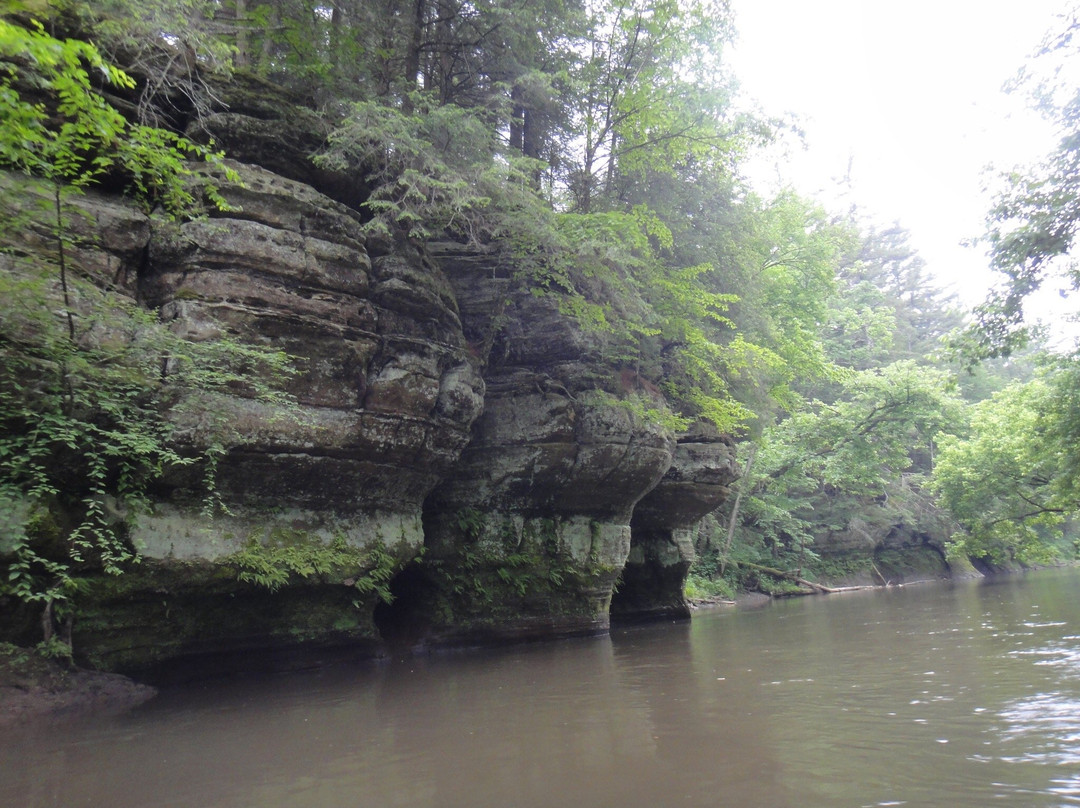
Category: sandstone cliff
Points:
column 466, row 433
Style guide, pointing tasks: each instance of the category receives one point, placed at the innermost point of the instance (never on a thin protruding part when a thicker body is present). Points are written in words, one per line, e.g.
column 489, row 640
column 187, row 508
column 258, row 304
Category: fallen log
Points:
column 790, row 576
column 816, row 587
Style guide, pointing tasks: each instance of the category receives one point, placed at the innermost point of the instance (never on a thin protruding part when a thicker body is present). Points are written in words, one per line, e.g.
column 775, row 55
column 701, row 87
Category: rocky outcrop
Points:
column 105, row 239
column 529, row 533
column 384, row 401
column 665, row 523
column 260, row 123
column 901, row 539
column 533, row 529
column 385, row 395
column 446, row 423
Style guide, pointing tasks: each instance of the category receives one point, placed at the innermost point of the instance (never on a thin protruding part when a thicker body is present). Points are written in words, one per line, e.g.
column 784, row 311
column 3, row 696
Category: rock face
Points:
column 385, row 400
column 386, row 396
column 529, row 533
column 665, row 522
column 887, row 544
column 448, row 428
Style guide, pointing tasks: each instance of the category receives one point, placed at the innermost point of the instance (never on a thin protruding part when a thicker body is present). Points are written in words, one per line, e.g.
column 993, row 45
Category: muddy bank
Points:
column 35, row 689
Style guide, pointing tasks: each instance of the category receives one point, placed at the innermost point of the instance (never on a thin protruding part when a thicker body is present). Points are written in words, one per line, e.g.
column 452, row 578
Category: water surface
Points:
column 962, row 694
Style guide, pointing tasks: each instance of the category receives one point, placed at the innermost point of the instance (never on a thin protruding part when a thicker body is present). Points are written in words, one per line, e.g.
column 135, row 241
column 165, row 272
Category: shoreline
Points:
column 36, row 690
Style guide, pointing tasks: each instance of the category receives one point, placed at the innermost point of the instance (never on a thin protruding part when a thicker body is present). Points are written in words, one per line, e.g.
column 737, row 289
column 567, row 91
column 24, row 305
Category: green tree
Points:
column 923, row 314
column 815, row 470
column 649, row 94
column 1014, row 481
column 778, row 259
column 1033, row 223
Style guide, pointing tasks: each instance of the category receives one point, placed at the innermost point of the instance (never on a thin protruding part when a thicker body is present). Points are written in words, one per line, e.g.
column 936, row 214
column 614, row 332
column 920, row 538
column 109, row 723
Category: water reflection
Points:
column 955, row 695
column 699, row 722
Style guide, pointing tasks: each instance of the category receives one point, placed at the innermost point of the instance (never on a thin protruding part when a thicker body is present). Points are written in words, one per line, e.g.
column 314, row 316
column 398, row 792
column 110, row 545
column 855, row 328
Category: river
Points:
column 964, row 694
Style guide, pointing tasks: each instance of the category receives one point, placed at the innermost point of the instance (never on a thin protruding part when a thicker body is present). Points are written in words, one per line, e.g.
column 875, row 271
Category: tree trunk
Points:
column 412, row 55
column 267, row 41
column 445, row 38
column 532, row 141
column 517, row 120
column 791, row 576
column 734, row 520
column 337, row 24
column 243, row 44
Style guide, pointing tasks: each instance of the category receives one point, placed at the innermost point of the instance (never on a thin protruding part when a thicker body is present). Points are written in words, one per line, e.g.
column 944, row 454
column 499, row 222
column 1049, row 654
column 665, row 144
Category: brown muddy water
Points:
column 963, row 694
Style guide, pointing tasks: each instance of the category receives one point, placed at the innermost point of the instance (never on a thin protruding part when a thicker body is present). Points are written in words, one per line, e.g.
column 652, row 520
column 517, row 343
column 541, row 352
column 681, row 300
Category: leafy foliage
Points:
column 1014, row 481
column 816, row 470
column 1034, row 221
column 282, row 559
column 87, row 376
column 650, row 95
column 166, row 47
column 887, row 308
column 436, row 170
column 57, row 126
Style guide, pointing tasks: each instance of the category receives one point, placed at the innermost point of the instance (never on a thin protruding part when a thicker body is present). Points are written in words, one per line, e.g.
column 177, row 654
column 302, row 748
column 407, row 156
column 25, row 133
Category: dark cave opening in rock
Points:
column 648, row 588
column 406, row 621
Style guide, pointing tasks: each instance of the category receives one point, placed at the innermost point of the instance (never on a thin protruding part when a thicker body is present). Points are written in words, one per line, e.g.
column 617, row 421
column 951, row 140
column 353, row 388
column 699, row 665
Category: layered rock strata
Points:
column 384, row 401
column 536, row 517
column 446, row 423
column 385, row 396
column 665, row 522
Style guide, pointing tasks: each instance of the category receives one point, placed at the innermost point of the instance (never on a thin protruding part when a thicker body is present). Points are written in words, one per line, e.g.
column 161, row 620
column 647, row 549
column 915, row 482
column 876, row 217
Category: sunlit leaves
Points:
column 68, row 133
column 1013, row 481
column 30, row 138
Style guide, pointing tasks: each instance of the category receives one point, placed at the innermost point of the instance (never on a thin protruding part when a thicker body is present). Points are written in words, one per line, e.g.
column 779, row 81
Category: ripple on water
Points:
column 1045, row 728
column 1066, row 789
column 1065, row 659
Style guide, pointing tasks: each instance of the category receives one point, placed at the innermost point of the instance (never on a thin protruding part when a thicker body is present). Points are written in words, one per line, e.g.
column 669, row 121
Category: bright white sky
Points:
column 910, row 94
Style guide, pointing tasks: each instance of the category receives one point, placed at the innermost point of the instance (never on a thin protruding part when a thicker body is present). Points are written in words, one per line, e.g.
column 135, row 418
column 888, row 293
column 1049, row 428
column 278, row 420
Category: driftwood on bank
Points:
column 791, row 576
